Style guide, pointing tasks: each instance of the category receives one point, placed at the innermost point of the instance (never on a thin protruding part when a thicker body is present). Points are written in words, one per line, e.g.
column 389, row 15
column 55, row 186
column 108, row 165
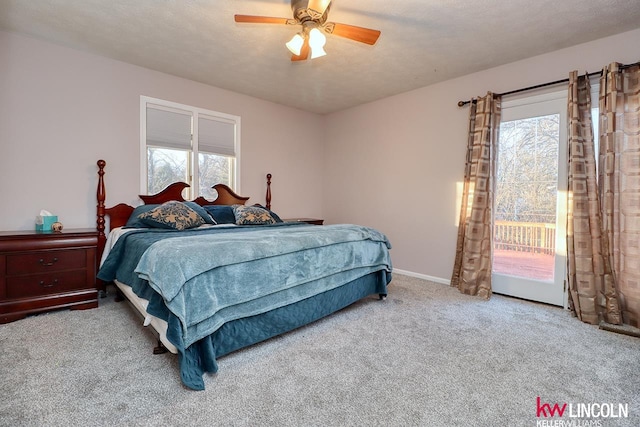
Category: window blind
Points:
column 216, row 136
column 169, row 129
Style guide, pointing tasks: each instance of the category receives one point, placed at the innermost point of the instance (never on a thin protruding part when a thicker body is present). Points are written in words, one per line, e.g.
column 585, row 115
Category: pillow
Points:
column 202, row 212
column 135, row 222
column 174, row 215
column 222, row 214
column 272, row 213
column 252, row 215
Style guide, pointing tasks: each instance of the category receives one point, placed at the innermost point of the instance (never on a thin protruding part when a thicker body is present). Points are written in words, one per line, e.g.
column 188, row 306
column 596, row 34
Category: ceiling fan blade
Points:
column 359, row 34
column 304, row 51
column 260, row 19
column 319, row 5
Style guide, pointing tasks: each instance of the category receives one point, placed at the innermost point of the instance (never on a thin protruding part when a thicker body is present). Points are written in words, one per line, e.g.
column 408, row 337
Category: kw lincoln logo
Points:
column 578, row 414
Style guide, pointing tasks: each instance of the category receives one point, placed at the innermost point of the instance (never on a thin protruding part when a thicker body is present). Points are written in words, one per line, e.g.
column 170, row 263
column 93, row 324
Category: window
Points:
column 189, row 144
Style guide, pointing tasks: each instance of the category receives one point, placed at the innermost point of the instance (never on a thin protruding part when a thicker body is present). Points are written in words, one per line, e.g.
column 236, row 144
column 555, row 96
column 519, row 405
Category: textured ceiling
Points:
column 422, row 41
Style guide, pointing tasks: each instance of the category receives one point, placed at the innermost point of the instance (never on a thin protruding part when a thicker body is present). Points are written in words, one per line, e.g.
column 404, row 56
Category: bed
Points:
column 212, row 285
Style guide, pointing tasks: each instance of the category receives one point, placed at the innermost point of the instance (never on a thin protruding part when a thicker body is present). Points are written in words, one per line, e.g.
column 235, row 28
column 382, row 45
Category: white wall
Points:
column 393, row 164
column 61, row 110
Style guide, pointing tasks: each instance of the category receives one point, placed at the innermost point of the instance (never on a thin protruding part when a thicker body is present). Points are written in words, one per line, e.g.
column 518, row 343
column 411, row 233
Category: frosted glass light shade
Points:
column 295, row 44
column 317, row 41
column 317, row 52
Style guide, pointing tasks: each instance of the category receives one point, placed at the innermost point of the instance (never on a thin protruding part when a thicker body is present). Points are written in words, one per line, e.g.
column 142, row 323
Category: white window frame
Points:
column 145, row 101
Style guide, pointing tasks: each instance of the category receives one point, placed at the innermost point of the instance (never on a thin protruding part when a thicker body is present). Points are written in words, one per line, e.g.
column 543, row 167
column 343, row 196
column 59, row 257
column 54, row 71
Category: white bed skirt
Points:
column 159, row 325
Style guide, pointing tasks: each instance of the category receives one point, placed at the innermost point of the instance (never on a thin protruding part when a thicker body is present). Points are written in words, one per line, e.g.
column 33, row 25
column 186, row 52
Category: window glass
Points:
column 165, row 166
column 214, row 169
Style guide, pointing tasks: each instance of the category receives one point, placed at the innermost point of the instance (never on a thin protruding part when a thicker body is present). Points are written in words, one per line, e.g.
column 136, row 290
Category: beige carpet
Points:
column 427, row 355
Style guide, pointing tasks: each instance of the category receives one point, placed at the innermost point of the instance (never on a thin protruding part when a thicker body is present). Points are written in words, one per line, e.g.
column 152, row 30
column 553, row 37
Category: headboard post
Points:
column 102, row 238
column 268, row 197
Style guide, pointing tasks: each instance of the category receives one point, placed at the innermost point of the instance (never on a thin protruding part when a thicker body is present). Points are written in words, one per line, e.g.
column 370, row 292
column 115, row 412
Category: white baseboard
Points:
column 422, row 276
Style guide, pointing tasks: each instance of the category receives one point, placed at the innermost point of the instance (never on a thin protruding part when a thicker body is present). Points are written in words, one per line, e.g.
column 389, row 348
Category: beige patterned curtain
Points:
column 619, row 181
column 474, row 254
column 592, row 294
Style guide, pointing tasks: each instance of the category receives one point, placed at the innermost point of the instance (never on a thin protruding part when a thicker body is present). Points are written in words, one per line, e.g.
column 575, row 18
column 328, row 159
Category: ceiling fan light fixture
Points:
column 312, row 16
column 317, row 40
column 295, row 44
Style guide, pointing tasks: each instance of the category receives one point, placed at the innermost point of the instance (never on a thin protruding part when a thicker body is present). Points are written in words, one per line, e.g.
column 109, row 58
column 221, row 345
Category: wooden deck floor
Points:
column 523, row 264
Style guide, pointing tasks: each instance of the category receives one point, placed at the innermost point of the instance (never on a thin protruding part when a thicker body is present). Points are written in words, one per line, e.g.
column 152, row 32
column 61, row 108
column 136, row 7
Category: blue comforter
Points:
column 204, row 278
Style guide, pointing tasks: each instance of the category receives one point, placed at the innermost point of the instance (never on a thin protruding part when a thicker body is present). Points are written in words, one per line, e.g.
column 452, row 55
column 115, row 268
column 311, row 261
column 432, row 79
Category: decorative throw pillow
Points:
column 175, row 215
column 252, row 215
column 202, row 212
column 134, row 221
column 274, row 215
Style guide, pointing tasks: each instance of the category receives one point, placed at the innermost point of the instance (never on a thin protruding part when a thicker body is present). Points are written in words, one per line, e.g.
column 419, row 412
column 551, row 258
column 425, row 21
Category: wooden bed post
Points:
column 268, row 191
column 102, row 238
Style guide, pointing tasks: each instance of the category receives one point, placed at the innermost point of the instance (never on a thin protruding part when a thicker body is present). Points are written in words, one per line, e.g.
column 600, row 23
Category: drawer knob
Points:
column 49, row 285
column 48, row 264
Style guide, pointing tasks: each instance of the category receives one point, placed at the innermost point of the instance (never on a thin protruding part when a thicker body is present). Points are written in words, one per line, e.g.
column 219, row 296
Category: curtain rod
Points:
column 622, row 67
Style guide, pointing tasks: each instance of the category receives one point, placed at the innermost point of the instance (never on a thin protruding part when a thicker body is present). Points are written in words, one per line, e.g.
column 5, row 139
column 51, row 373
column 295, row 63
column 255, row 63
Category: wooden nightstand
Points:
column 313, row 221
column 47, row 271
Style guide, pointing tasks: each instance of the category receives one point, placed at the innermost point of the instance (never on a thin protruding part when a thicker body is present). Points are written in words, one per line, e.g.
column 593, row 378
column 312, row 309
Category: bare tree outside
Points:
column 527, row 175
column 526, row 197
column 165, row 166
column 214, row 169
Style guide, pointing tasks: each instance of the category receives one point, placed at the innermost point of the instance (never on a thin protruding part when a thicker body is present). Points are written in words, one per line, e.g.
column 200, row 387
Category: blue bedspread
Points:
column 205, row 278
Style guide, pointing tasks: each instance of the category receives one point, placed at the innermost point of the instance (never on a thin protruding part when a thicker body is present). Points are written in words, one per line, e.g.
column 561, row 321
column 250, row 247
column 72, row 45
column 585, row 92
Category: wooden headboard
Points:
column 120, row 213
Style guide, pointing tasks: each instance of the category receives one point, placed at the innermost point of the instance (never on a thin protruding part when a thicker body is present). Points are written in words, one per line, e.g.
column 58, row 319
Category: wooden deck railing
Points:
column 534, row 237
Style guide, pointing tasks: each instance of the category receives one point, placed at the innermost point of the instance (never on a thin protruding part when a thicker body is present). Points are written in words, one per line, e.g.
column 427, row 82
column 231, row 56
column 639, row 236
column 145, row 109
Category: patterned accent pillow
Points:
column 202, row 212
column 175, row 215
column 252, row 215
column 275, row 216
column 134, row 220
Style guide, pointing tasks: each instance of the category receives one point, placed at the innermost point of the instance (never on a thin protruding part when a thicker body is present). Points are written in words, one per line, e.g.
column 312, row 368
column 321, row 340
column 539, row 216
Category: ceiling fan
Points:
column 312, row 15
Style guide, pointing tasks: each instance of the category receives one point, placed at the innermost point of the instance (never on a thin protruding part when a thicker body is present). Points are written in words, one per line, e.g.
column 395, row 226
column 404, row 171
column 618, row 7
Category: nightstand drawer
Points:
column 43, row 284
column 42, row 262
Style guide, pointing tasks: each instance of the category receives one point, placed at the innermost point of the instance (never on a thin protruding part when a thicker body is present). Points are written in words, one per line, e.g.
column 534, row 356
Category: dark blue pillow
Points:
column 222, row 214
column 135, row 222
